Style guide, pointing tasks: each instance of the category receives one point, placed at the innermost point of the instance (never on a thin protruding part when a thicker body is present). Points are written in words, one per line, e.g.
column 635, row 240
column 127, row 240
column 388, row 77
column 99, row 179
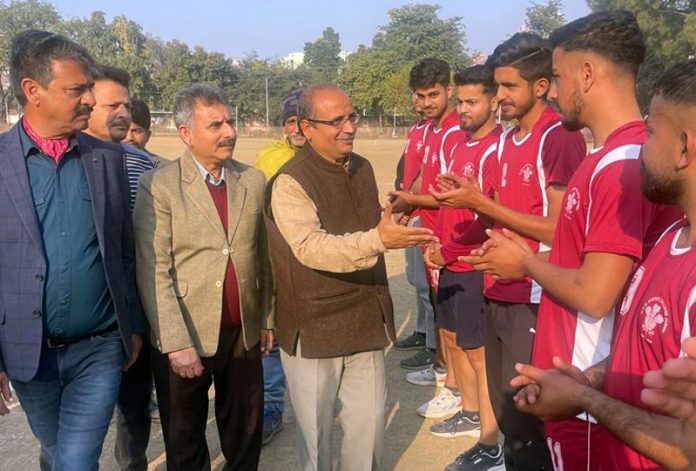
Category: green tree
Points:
column 17, row 16
column 323, row 54
column 543, row 18
column 377, row 76
column 669, row 28
column 416, row 31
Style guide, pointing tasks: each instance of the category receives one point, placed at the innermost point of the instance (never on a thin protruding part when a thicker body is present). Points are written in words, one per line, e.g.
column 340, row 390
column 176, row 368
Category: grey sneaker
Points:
column 420, row 360
column 415, row 341
column 458, row 425
column 479, row 459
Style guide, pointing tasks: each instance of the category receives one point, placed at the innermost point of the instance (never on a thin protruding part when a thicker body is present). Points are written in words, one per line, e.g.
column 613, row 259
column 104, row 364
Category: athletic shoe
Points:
column 458, row 425
column 415, row 341
column 272, row 424
column 427, row 377
column 479, row 459
column 420, row 360
column 445, row 404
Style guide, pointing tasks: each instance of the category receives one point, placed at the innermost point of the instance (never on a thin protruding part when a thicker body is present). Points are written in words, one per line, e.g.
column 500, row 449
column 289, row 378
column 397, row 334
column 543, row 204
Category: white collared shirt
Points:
column 207, row 176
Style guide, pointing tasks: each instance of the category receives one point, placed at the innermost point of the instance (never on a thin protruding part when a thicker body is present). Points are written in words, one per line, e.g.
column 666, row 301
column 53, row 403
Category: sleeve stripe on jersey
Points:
column 501, row 142
column 686, row 325
column 486, row 154
column 443, row 160
column 627, row 152
column 542, row 179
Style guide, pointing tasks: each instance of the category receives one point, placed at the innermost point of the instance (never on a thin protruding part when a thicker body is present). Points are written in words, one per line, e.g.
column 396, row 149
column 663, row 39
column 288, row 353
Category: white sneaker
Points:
column 444, row 405
column 427, row 377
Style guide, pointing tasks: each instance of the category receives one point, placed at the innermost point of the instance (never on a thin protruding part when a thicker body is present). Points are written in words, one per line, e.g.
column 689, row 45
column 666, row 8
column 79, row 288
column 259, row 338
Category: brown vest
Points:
column 335, row 314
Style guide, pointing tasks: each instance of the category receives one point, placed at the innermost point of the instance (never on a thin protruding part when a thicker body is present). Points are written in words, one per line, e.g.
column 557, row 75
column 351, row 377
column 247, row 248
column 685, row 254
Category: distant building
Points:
column 294, row 59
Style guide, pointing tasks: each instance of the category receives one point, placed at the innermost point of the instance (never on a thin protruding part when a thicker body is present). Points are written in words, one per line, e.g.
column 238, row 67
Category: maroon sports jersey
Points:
column 478, row 159
column 603, row 210
column 657, row 314
column 548, row 155
column 438, row 147
column 413, row 152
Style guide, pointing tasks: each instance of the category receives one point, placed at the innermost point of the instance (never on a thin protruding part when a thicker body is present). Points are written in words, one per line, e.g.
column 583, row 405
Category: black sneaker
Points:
column 420, row 360
column 458, row 425
column 272, row 424
column 415, row 341
column 479, row 458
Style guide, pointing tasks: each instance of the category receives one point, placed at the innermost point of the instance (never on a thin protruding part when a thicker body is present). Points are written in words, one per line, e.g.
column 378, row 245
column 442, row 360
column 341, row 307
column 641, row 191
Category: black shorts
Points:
column 459, row 306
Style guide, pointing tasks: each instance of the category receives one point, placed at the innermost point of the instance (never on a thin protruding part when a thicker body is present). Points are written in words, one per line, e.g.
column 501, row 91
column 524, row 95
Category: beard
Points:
column 571, row 118
column 659, row 190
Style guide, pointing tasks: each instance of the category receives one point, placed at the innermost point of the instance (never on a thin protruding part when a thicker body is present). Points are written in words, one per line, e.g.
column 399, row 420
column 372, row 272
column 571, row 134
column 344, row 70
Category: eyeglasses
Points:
column 337, row 123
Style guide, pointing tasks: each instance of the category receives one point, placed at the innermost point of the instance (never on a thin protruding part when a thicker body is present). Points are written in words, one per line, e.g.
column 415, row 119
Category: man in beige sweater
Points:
column 327, row 241
column 204, row 279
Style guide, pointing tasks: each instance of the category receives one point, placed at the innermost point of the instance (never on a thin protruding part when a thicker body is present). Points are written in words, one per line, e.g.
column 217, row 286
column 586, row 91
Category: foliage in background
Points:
column 543, row 18
column 669, row 29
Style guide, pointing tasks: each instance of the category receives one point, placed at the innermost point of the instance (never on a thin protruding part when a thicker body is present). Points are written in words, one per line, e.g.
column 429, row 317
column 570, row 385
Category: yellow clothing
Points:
column 270, row 158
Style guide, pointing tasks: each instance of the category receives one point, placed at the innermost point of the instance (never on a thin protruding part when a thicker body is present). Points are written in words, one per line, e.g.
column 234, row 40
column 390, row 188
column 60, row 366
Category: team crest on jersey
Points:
column 527, row 172
column 503, row 180
column 572, row 203
column 419, row 145
column 468, row 170
column 655, row 317
column 433, row 158
column 631, row 293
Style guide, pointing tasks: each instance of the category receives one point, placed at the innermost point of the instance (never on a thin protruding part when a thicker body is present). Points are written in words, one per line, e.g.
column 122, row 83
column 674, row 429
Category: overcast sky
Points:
column 276, row 28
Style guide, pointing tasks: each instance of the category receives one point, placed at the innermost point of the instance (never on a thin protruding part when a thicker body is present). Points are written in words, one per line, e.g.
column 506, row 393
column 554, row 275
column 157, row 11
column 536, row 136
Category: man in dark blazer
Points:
column 70, row 319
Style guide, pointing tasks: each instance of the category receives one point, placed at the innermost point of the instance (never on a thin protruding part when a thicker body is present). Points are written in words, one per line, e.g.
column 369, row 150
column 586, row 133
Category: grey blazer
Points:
column 22, row 262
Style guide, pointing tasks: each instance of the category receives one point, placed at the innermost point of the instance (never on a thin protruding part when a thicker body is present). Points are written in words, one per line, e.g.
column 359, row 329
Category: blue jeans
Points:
column 273, row 383
column 416, row 276
column 70, row 401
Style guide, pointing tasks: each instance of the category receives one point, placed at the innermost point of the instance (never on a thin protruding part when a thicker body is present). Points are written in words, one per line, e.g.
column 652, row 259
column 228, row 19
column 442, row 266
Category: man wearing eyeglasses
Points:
column 334, row 312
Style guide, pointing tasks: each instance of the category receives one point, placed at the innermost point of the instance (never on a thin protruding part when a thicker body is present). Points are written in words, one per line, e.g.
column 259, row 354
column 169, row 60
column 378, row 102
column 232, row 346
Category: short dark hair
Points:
column 186, row 98
column 305, row 109
column 677, row 84
column 526, row 52
column 115, row 74
column 428, row 73
column 614, row 35
column 33, row 52
column 140, row 114
column 476, row 75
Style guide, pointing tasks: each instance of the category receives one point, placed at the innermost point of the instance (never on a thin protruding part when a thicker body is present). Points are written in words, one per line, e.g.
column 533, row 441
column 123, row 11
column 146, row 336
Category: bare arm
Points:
column 507, row 255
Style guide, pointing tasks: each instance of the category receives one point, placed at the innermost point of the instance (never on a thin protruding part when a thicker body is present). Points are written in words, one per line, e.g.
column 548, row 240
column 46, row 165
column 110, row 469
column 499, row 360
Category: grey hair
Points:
column 33, row 52
column 186, row 98
column 305, row 110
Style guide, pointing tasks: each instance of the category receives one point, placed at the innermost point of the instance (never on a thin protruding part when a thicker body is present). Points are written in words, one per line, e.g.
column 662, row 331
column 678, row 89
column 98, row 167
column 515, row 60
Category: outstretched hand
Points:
column 395, row 236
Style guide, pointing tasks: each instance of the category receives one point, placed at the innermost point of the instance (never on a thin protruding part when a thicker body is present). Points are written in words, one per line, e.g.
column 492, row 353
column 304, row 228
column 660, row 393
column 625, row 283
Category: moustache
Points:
column 120, row 122
column 84, row 110
column 227, row 143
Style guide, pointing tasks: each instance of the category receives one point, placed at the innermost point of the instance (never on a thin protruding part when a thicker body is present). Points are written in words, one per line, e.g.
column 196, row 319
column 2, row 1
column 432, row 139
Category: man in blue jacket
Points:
column 70, row 321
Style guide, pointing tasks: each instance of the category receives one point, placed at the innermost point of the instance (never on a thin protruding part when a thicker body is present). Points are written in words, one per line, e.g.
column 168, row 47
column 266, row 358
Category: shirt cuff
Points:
column 376, row 245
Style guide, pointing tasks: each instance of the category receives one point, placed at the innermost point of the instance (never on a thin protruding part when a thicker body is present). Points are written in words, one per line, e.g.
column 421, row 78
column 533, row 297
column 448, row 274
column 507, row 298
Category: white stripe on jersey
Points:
column 443, row 160
column 627, row 152
column 542, row 181
column 492, row 148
